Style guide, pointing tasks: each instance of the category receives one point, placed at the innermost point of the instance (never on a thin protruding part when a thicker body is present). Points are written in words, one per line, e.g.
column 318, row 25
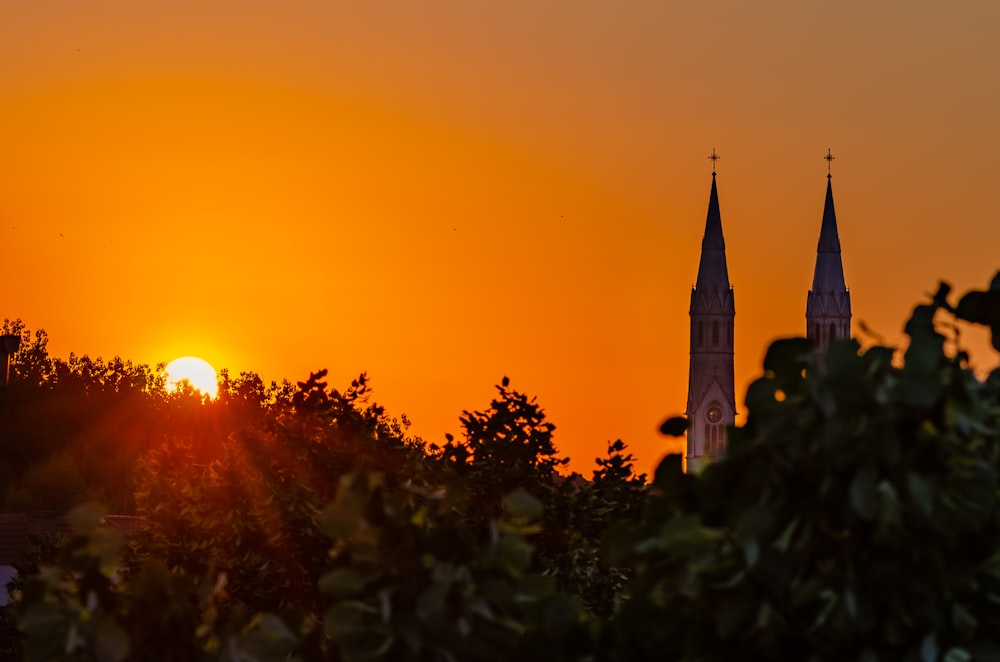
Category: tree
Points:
column 251, row 513
column 854, row 516
column 615, row 495
column 511, row 446
column 105, row 414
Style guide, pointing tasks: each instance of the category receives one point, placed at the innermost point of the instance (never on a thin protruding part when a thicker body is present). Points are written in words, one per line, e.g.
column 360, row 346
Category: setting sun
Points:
column 197, row 372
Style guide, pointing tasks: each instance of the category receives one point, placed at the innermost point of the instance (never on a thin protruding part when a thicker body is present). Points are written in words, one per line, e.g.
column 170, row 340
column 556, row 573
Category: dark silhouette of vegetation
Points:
column 854, row 516
column 72, row 430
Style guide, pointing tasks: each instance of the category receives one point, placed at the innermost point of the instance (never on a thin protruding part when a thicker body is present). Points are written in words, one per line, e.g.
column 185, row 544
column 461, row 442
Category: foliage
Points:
column 409, row 555
column 412, row 581
column 615, row 495
column 77, row 610
column 73, row 429
column 507, row 446
column 510, row 446
column 854, row 516
column 54, row 485
column 251, row 513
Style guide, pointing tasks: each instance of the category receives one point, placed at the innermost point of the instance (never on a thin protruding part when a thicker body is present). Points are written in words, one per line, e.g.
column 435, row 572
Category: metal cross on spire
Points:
column 829, row 162
column 713, row 158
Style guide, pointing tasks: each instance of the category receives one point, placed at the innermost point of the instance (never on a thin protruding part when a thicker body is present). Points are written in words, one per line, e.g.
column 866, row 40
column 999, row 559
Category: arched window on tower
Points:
column 833, row 331
column 715, row 334
column 730, row 334
column 701, row 334
column 816, row 334
column 713, row 431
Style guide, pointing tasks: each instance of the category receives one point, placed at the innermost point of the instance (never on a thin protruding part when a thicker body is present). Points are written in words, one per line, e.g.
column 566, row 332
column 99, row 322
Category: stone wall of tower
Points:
column 711, row 382
column 828, row 317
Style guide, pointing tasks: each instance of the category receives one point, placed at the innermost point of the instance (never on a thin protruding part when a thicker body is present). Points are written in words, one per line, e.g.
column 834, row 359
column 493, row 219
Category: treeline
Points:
column 72, row 430
column 856, row 515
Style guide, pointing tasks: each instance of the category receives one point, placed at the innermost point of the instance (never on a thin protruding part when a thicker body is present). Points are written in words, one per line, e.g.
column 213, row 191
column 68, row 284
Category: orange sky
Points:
column 444, row 193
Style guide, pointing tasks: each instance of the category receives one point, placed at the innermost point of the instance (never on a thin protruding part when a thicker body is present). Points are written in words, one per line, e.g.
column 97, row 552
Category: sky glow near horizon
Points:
column 445, row 193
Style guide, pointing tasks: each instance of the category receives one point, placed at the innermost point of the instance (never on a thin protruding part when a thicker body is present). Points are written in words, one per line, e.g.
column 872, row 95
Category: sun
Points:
column 197, row 372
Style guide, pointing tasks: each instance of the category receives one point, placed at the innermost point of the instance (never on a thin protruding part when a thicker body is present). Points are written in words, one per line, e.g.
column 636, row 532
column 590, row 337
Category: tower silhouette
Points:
column 711, row 404
column 828, row 304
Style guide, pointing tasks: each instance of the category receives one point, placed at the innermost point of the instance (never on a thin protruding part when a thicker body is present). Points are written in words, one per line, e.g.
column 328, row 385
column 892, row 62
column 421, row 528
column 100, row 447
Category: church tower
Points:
column 828, row 305
column 711, row 402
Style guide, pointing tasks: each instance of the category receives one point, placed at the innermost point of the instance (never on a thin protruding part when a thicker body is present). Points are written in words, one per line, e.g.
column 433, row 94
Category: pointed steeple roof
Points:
column 712, row 269
column 829, row 274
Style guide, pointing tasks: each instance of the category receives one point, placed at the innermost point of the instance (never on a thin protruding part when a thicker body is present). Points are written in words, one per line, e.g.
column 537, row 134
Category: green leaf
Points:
column 106, row 546
column 941, row 296
column 964, row 620
column 982, row 308
column 888, row 503
column 520, row 504
column 340, row 519
column 751, row 552
column 921, row 320
column 786, row 358
column 267, row 638
column 864, row 494
column 843, row 363
column 40, row 619
column 111, row 642
column 342, row 582
column 674, row 427
column 670, row 469
column 920, row 493
column 346, row 620
column 85, row 518
column 785, row 539
column 925, row 353
column 760, row 397
column 828, row 599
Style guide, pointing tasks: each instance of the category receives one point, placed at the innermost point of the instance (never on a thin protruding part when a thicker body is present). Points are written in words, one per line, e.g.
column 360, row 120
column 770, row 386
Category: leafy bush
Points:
column 854, row 516
column 80, row 609
column 411, row 580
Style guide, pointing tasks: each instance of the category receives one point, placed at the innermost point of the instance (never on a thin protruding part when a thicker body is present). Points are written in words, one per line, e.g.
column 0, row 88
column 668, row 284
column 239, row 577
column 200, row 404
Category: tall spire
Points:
column 711, row 385
column 829, row 273
column 828, row 305
column 712, row 269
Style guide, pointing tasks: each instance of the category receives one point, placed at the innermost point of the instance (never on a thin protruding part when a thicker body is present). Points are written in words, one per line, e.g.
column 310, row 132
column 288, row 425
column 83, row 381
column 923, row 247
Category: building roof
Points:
column 712, row 269
column 829, row 273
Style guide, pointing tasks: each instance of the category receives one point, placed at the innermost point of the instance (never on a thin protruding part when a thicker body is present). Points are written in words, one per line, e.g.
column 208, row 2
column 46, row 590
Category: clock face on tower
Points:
column 714, row 414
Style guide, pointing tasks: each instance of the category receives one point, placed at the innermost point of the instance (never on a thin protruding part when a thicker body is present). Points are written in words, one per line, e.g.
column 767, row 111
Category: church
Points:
column 711, row 404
